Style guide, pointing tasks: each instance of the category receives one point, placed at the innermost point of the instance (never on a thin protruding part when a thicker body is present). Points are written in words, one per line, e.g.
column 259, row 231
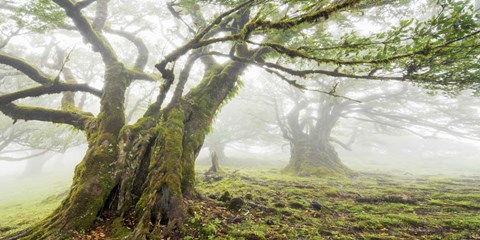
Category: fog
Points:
column 422, row 131
column 248, row 131
column 384, row 146
column 344, row 94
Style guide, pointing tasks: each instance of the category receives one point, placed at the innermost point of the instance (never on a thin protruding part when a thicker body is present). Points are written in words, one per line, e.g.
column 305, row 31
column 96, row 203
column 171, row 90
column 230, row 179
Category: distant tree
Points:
column 215, row 168
column 142, row 172
column 245, row 121
column 312, row 117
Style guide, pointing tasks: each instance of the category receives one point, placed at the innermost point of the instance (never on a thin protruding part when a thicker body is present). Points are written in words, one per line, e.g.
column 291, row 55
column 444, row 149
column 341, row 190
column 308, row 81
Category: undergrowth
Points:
column 256, row 204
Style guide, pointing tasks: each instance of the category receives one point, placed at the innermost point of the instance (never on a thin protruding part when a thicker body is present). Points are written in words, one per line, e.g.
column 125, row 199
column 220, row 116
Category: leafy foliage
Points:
column 40, row 16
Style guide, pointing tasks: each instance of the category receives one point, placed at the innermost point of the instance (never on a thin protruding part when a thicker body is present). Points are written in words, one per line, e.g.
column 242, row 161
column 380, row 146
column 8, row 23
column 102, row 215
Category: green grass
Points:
column 26, row 200
column 363, row 206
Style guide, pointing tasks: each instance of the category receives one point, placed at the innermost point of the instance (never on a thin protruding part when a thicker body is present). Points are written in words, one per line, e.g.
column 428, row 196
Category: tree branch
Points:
column 304, row 73
column 142, row 57
column 183, row 78
column 340, row 143
column 176, row 15
column 101, row 13
column 196, row 42
column 98, row 41
column 32, row 72
column 311, row 17
column 48, row 89
column 84, row 4
column 140, row 75
column 17, row 159
column 26, row 113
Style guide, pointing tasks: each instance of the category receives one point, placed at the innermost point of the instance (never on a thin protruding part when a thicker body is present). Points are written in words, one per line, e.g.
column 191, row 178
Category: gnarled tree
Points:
column 143, row 172
column 311, row 123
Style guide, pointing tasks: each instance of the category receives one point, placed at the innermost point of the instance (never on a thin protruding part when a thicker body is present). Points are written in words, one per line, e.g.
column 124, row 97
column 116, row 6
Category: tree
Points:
column 143, row 171
column 25, row 139
column 245, row 121
column 308, row 127
column 312, row 119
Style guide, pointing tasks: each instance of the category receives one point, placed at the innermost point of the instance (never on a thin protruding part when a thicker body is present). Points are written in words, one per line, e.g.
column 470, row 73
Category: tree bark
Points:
column 314, row 158
column 143, row 172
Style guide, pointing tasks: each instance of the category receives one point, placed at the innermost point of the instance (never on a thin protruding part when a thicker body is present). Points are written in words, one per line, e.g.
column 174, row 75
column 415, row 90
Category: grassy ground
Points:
column 364, row 206
column 268, row 205
column 26, row 200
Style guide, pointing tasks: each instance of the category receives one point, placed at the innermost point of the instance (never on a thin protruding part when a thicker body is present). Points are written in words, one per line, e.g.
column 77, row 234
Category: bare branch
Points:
column 142, row 57
column 84, row 3
column 26, row 113
column 5, row 41
column 196, row 41
column 48, row 89
column 98, row 41
column 140, row 75
column 281, row 123
column 17, row 159
column 32, row 72
column 101, row 13
column 340, row 143
column 176, row 15
column 348, row 145
column 304, row 73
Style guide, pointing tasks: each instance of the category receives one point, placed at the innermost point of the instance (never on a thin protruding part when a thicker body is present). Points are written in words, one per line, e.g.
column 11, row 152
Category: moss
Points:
column 38, row 113
column 165, row 168
column 142, row 126
column 308, row 160
column 91, row 186
column 180, row 135
column 141, row 204
column 118, row 229
column 112, row 117
column 341, row 218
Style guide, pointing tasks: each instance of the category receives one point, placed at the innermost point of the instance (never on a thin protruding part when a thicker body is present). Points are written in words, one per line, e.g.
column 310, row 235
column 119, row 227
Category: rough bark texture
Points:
column 143, row 172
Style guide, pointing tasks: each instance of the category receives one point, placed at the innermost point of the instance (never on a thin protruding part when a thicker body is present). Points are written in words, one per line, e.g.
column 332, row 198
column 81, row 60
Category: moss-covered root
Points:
column 160, row 210
column 93, row 181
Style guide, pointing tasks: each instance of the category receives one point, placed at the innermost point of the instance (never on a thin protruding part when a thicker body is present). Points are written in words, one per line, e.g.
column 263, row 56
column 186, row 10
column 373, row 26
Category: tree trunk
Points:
column 142, row 174
column 219, row 150
column 215, row 168
column 314, row 158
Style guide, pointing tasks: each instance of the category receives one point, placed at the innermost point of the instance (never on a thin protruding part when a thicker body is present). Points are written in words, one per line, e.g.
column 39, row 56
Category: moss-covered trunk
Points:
column 314, row 158
column 139, row 175
column 158, row 160
column 94, row 176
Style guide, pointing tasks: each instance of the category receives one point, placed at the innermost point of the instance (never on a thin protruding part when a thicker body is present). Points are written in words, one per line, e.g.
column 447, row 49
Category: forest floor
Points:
column 256, row 204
